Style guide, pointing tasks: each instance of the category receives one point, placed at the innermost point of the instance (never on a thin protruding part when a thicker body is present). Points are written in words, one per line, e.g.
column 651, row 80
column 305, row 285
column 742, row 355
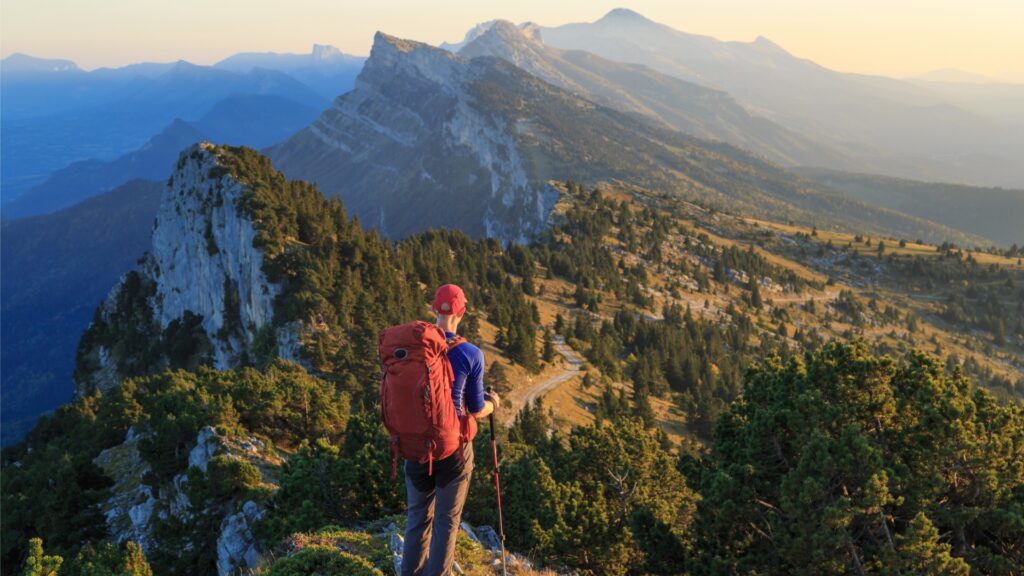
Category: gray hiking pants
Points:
column 433, row 524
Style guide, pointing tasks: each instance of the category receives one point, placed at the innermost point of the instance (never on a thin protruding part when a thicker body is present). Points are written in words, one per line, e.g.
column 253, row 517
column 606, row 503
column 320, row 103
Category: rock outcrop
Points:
column 130, row 508
column 134, row 506
column 237, row 546
column 204, row 273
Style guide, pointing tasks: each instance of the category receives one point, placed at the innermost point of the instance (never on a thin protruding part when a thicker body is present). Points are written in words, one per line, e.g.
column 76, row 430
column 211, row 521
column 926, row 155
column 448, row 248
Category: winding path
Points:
column 573, row 362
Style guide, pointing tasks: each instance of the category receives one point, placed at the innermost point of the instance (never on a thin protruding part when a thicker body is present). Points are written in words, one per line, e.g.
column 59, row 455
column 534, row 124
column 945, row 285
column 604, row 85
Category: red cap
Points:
column 450, row 300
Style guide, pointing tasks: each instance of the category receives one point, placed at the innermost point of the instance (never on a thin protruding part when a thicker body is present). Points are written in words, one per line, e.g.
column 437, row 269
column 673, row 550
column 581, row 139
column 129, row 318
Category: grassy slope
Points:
column 994, row 213
column 572, row 404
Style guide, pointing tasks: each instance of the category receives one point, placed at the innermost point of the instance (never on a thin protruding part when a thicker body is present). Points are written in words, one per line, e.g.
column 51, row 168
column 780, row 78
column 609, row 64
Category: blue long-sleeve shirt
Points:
column 468, row 364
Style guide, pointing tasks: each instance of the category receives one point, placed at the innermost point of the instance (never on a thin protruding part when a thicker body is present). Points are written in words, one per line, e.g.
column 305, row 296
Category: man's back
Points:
column 468, row 365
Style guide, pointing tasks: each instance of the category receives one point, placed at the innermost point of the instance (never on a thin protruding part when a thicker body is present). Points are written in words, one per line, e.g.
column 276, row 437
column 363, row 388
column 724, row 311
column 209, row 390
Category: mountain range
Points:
column 55, row 269
column 895, row 127
column 428, row 138
column 680, row 104
column 250, row 120
column 55, row 113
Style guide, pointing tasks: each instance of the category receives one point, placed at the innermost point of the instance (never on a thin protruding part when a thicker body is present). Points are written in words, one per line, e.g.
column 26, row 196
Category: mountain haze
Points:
column 325, row 69
column 55, row 270
column 996, row 213
column 428, row 138
column 243, row 120
column 683, row 105
column 898, row 127
column 118, row 115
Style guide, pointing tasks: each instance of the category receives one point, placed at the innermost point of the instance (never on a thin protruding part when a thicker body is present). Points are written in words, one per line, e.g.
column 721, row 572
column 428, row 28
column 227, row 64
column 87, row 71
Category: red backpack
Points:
column 416, row 394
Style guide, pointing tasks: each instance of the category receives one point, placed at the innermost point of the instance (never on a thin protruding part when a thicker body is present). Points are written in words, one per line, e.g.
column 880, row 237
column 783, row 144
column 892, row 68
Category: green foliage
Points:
column 129, row 332
column 39, row 564
column 55, row 491
column 56, row 488
column 374, row 548
column 829, row 464
column 322, row 484
column 531, row 425
column 572, row 505
column 186, row 343
column 497, row 377
column 548, row 351
column 755, row 293
column 322, row 560
column 109, row 560
column 919, row 551
column 229, row 477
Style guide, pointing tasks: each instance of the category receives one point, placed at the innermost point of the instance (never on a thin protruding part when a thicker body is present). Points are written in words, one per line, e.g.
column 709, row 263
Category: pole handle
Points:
column 488, row 389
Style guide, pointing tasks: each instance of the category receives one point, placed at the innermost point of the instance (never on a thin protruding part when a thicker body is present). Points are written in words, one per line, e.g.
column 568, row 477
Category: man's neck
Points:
column 448, row 323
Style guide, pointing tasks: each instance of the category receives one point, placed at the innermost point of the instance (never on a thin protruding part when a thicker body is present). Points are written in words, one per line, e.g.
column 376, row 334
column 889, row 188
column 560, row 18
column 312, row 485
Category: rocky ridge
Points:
column 431, row 139
column 411, row 148
column 203, row 274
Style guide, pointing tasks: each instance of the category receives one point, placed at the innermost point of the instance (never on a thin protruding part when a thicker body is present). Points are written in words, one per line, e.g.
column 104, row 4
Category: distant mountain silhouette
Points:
column 55, row 270
column 52, row 121
column 897, row 127
column 250, row 120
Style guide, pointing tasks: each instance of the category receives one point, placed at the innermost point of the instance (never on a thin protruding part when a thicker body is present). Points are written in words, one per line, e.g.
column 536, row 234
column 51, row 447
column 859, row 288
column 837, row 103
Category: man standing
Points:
column 436, row 492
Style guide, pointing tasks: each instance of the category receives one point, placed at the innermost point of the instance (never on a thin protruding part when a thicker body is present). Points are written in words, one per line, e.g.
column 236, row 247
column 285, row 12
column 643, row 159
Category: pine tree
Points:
column 920, row 552
column 559, row 324
column 39, row 564
column 109, row 560
column 755, row 292
column 804, row 464
column 548, row 353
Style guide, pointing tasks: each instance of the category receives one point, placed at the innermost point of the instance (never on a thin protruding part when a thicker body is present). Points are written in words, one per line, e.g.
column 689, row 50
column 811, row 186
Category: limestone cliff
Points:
column 413, row 147
column 200, row 295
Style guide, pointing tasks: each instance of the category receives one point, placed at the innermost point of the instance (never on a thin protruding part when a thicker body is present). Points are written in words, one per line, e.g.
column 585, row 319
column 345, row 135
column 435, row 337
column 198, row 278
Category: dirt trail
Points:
column 572, row 365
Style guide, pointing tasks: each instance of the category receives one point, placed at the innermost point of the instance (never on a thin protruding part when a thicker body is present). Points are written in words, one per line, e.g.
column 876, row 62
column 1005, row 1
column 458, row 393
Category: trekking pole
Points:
column 497, row 490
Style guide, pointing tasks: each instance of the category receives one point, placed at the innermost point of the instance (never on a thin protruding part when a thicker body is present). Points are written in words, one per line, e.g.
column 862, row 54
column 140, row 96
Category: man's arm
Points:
column 476, row 401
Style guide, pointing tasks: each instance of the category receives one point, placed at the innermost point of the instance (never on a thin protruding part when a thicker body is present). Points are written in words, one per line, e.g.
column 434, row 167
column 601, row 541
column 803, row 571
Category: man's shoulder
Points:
column 469, row 351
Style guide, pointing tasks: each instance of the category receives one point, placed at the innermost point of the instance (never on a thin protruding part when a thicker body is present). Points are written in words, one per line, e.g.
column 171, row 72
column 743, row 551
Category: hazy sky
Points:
column 892, row 37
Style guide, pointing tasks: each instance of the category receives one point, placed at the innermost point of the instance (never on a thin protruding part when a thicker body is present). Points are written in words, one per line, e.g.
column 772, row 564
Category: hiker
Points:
column 436, row 487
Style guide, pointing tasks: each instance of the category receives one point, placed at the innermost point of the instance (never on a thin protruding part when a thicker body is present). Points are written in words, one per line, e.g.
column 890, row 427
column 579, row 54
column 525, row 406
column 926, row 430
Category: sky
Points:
column 890, row 37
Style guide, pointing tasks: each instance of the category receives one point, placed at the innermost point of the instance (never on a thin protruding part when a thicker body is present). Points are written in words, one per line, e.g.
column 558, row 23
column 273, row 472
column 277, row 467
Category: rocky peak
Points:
column 391, row 58
column 513, row 44
column 502, row 35
column 325, row 52
column 532, row 31
column 202, row 281
column 412, row 140
column 471, row 35
column 203, row 259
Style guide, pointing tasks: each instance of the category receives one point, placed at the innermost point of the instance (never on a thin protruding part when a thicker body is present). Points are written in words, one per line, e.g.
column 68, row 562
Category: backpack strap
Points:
column 453, row 343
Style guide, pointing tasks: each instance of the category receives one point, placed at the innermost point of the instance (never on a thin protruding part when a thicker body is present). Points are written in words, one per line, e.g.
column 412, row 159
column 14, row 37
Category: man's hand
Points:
column 492, row 397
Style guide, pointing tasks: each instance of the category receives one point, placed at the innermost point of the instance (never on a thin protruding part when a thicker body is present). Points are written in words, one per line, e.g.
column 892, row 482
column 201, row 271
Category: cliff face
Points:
column 203, row 259
column 411, row 147
column 200, row 295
